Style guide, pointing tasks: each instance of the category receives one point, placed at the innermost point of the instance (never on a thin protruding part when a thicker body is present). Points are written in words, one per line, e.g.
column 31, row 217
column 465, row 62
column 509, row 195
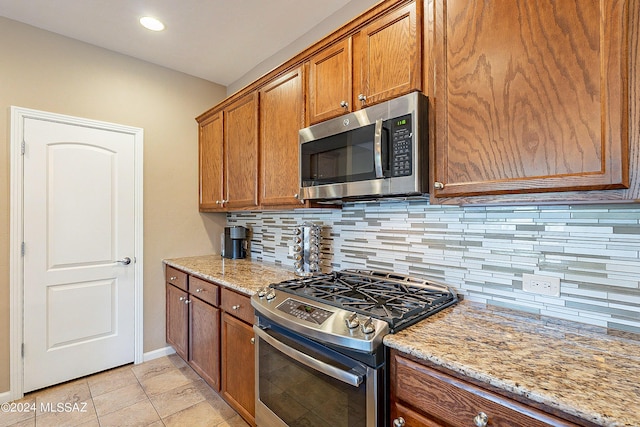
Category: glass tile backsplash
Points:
column 482, row 252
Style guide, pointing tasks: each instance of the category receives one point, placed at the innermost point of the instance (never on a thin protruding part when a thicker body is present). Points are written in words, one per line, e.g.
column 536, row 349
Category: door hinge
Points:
column 23, row 146
column 22, row 249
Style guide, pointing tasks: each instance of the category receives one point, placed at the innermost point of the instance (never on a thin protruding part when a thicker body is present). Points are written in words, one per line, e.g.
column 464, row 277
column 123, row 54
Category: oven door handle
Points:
column 337, row 373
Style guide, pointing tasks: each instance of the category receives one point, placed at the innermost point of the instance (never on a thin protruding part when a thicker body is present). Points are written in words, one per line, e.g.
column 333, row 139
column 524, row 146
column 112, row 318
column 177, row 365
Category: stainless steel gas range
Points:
column 319, row 355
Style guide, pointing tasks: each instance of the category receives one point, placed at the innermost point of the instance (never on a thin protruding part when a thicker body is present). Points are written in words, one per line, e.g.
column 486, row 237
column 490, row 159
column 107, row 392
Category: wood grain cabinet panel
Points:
column 176, row 278
column 331, row 82
column 193, row 324
column 177, row 320
column 241, row 153
column 204, row 341
column 211, row 158
column 238, row 366
column 530, row 96
column 425, row 397
column 282, row 112
column 389, row 56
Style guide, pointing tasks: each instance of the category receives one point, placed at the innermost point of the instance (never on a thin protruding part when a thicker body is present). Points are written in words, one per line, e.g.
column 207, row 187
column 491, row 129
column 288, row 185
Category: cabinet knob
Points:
column 253, row 340
column 235, row 307
column 172, row 278
column 218, row 202
column 362, row 98
column 481, row 420
column 187, row 301
column 181, row 299
column 344, row 104
column 398, row 422
column 438, row 185
column 199, row 290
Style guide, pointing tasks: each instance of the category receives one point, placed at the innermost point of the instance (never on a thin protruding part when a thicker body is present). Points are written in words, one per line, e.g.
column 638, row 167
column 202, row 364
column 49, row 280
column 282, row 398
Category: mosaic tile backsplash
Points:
column 482, row 252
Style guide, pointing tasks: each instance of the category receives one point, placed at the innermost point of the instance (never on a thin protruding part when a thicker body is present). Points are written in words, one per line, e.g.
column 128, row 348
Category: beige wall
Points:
column 45, row 71
column 336, row 20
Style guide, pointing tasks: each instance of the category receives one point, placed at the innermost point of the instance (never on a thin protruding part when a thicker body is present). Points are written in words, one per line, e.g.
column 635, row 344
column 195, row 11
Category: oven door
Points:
column 300, row 382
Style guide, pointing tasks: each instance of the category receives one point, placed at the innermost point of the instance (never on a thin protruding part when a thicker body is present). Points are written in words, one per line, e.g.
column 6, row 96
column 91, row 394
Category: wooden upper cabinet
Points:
column 211, row 156
column 282, row 112
column 330, row 82
column 241, row 153
column 388, row 56
column 530, row 96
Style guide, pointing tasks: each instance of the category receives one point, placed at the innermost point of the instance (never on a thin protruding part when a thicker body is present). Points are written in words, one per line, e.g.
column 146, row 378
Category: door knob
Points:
column 126, row 261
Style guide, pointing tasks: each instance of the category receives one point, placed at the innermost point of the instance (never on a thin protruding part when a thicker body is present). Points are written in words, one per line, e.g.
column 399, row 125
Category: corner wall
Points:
column 45, row 71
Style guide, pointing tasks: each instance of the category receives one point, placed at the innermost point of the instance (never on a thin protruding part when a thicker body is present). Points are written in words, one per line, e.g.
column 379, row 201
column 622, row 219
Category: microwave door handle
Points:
column 377, row 149
column 344, row 376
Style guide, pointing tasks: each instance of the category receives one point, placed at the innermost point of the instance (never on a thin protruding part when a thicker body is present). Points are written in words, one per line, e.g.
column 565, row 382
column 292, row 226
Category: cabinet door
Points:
column 204, row 341
column 238, row 366
column 210, row 149
column 281, row 117
column 330, row 82
column 390, row 56
column 241, row 153
column 531, row 96
column 177, row 320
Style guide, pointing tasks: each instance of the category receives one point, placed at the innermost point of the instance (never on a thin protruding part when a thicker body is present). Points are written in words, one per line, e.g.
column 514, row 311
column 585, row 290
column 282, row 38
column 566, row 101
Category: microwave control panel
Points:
column 401, row 146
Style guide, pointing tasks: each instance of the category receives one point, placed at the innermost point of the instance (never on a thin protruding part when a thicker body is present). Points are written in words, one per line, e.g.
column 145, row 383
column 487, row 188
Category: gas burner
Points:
column 398, row 300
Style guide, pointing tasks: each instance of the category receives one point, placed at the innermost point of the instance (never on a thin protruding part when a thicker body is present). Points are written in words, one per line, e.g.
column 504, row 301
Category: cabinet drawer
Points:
column 238, row 305
column 204, row 290
column 457, row 403
column 176, row 277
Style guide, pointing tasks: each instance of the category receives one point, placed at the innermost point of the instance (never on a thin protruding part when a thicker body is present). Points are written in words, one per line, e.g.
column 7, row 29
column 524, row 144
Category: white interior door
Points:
column 79, row 232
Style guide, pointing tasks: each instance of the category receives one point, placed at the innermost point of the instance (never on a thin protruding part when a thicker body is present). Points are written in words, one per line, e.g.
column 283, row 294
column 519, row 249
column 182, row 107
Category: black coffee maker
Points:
column 234, row 243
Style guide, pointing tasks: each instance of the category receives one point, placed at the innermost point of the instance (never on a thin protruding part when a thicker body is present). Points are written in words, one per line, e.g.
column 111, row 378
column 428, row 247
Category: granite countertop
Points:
column 243, row 275
column 573, row 367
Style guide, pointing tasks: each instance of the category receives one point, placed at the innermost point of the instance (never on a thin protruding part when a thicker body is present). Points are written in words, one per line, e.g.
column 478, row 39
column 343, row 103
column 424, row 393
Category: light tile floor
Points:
column 161, row 392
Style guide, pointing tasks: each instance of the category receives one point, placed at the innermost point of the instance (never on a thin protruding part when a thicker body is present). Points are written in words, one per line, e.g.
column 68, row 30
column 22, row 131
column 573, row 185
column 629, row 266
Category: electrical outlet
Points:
column 541, row 285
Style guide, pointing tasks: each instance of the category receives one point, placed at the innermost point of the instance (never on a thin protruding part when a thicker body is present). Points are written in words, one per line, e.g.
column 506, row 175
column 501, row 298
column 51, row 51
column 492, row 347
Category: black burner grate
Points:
column 398, row 300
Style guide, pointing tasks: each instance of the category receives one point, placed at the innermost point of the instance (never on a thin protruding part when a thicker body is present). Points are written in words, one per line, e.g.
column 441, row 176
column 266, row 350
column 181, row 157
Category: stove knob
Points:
column 352, row 321
column 297, row 248
column 262, row 292
column 297, row 230
column 271, row 294
column 368, row 327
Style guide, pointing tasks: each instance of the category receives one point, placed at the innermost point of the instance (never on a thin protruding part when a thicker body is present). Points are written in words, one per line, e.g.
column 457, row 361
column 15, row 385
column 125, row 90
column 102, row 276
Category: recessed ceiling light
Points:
column 151, row 23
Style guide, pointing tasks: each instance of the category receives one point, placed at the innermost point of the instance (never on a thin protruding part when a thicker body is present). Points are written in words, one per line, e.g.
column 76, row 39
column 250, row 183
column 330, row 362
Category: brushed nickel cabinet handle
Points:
column 481, row 420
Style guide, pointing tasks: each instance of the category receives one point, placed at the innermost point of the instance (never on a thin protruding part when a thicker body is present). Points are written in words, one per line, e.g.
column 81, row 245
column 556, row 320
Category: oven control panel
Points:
column 304, row 311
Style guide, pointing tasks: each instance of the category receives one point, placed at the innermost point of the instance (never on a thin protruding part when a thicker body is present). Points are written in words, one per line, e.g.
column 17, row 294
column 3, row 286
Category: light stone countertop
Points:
column 576, row 368
column 243, row 275
column 570, row 366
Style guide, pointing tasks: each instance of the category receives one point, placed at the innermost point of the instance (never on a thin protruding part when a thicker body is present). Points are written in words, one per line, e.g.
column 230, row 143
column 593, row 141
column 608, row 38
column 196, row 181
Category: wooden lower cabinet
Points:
column 193, row 324
column 204, row 341
column 238, row 365
column 177, row 320
column 211, row 328
column 424, row 397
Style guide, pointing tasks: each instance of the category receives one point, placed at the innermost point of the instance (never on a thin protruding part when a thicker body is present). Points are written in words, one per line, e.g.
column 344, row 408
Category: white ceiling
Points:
column 217, row 40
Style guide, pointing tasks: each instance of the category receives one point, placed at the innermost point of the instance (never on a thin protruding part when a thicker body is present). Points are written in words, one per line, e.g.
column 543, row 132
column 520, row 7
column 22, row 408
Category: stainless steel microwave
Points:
column 379, row 151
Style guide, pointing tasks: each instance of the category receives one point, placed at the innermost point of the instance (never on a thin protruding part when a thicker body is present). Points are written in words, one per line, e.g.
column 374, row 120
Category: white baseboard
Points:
column 165, row 351
column 5, row 397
